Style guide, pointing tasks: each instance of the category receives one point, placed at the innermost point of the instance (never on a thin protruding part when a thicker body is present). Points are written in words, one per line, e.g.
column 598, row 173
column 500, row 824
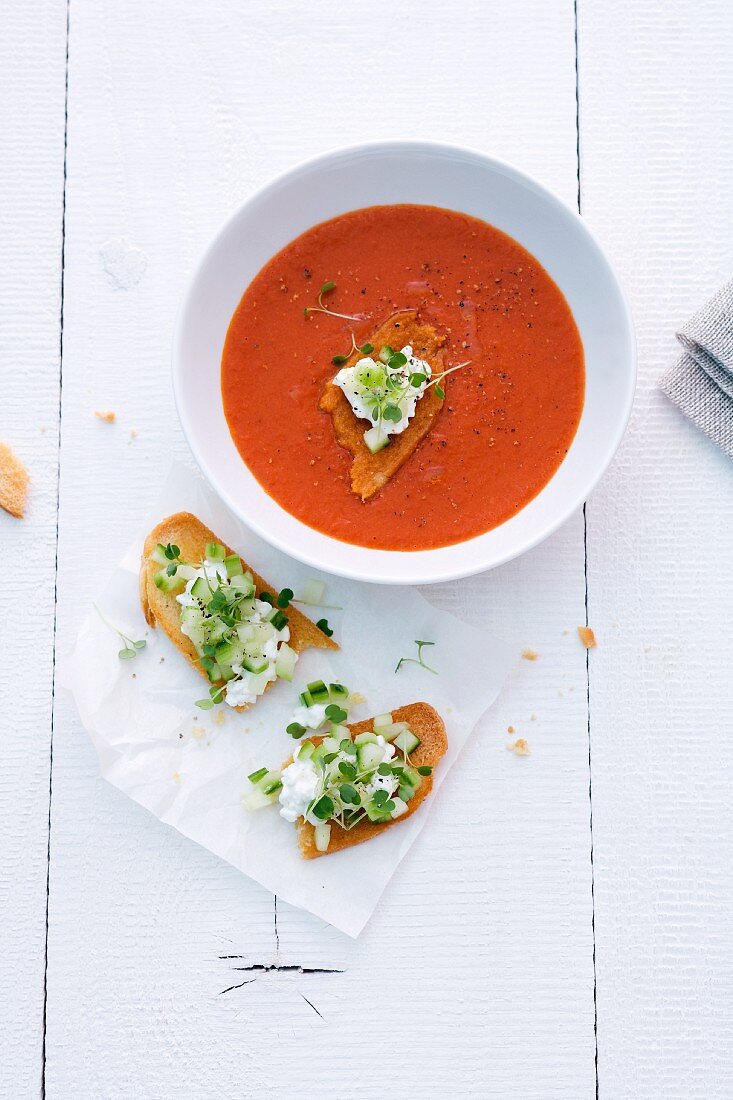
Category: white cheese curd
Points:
column 310, row 717
column 299, row 786
column 361, row 398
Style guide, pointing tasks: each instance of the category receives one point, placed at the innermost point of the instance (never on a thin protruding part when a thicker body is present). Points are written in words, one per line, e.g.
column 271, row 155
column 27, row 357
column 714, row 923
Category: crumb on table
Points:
column 219, row 718
column 510, row 729
column 108, row 416
column 587, row 637
column 519, row 747
column 530, row 654
column 14, row 480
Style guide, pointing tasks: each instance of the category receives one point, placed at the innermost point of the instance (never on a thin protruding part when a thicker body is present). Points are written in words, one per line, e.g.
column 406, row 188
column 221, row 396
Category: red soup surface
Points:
column 508, row 417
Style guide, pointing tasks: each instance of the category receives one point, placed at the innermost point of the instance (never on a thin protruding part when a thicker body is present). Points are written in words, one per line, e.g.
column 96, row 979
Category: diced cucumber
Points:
column 200, row 589
column 229, row 653
column 339, row 732
column 285, row 662
column 167, row 584
column 318, row 692
column 255, row 777
column 312, row 592
column 306, row 698
column 376, row 438
column 400, row 808
column 369, row 756
column 217, row 629
column 158, row 555
column 304, row 750
column 406, row 741
column 234, row 566
column 380, row 721
column 245, row 632
column 392, row 731
column 338, row 693
column 215, row 551
column 226, row 672
column 271, row 783
column 405, row 791
column 256, row 665
column 257, row 799
column 243, row 583
column 330, row 744
column 411, row 778
column 365, row 738
column 322, row 836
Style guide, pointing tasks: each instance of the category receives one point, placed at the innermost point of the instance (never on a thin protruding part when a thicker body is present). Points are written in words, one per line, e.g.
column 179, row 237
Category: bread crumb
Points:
column 530, row 654
column 520, row 747
column 565, row 632
column 176, row 777
column 133, row 433
column 533, row 717
column 109, row 417
column 510, row 729
column 14, row 480
column 647, row 649
column 219, row 718
column 198, row 732
column 587, row 637
column 356, row 697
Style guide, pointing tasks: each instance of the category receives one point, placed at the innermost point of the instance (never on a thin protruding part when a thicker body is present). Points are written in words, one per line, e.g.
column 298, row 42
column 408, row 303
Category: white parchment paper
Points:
column 189, row 767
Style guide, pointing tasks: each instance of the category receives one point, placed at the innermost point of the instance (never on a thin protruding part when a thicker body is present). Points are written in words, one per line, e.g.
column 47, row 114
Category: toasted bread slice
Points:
column 13, row 482
column 162, row 609
column 425, row 723
column 370, row 472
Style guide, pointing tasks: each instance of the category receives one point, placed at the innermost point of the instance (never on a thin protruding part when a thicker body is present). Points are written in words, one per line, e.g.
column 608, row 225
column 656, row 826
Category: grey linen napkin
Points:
column 701, row 381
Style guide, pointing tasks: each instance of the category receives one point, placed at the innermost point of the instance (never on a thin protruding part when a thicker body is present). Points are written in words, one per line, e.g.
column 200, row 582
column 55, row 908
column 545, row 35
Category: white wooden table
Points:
column 561, row 930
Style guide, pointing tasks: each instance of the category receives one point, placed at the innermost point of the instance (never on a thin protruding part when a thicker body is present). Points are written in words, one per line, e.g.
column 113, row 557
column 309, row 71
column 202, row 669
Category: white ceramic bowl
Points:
column 397, row 172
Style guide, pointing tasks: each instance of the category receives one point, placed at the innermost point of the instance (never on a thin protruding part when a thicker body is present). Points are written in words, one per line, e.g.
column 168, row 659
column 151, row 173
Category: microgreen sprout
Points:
column 327, row 288
column 295, row 729
column 216, row 694
column 417, row 660
column 284, row 597
column 130, row 647
column 365, row 349
column 335, row 713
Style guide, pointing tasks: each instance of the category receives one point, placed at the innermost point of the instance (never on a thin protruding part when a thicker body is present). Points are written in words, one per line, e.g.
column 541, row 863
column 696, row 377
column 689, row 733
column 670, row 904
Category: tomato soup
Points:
column 507, row 419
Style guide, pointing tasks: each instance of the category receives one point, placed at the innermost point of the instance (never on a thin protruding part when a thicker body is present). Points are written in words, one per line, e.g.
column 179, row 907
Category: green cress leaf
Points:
column 335, row 713
column 323, row 807
column 388, row 806
column 171, row 551
column 425, row 769
column 126, row 653
column 439, row 392
column 384, row 769
column 284, row 597
column 140, row 644
column 397, row 360
column 379, row 798
column 392, row 413
column 417, row 379
column 330, row 757
column 348, row 794
column 347, row 769
column 322, row 625
column 295, row 729
column 204, row 704
column 417, row 660
column 366, row 349
column 339, row 360
column 327, row 287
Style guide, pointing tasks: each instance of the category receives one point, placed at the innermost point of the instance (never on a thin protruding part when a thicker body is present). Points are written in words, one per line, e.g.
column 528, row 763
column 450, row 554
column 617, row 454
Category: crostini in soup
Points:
column 360, row 779
column 235, row 629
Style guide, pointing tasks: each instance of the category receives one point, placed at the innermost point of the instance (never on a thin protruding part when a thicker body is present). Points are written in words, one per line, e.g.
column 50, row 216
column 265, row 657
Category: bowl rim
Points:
column 435, row 574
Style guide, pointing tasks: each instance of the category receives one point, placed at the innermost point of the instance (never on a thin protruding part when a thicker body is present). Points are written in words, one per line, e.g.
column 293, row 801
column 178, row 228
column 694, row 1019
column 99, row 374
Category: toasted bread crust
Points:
column 13, row 482
column 370, row 472
column 427, row 724
column 162, row 609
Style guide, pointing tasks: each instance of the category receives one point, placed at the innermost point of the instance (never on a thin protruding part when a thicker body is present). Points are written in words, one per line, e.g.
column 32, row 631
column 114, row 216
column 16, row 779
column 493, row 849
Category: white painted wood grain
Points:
column 484, row 938
column 32, row 77
column 656, row 107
